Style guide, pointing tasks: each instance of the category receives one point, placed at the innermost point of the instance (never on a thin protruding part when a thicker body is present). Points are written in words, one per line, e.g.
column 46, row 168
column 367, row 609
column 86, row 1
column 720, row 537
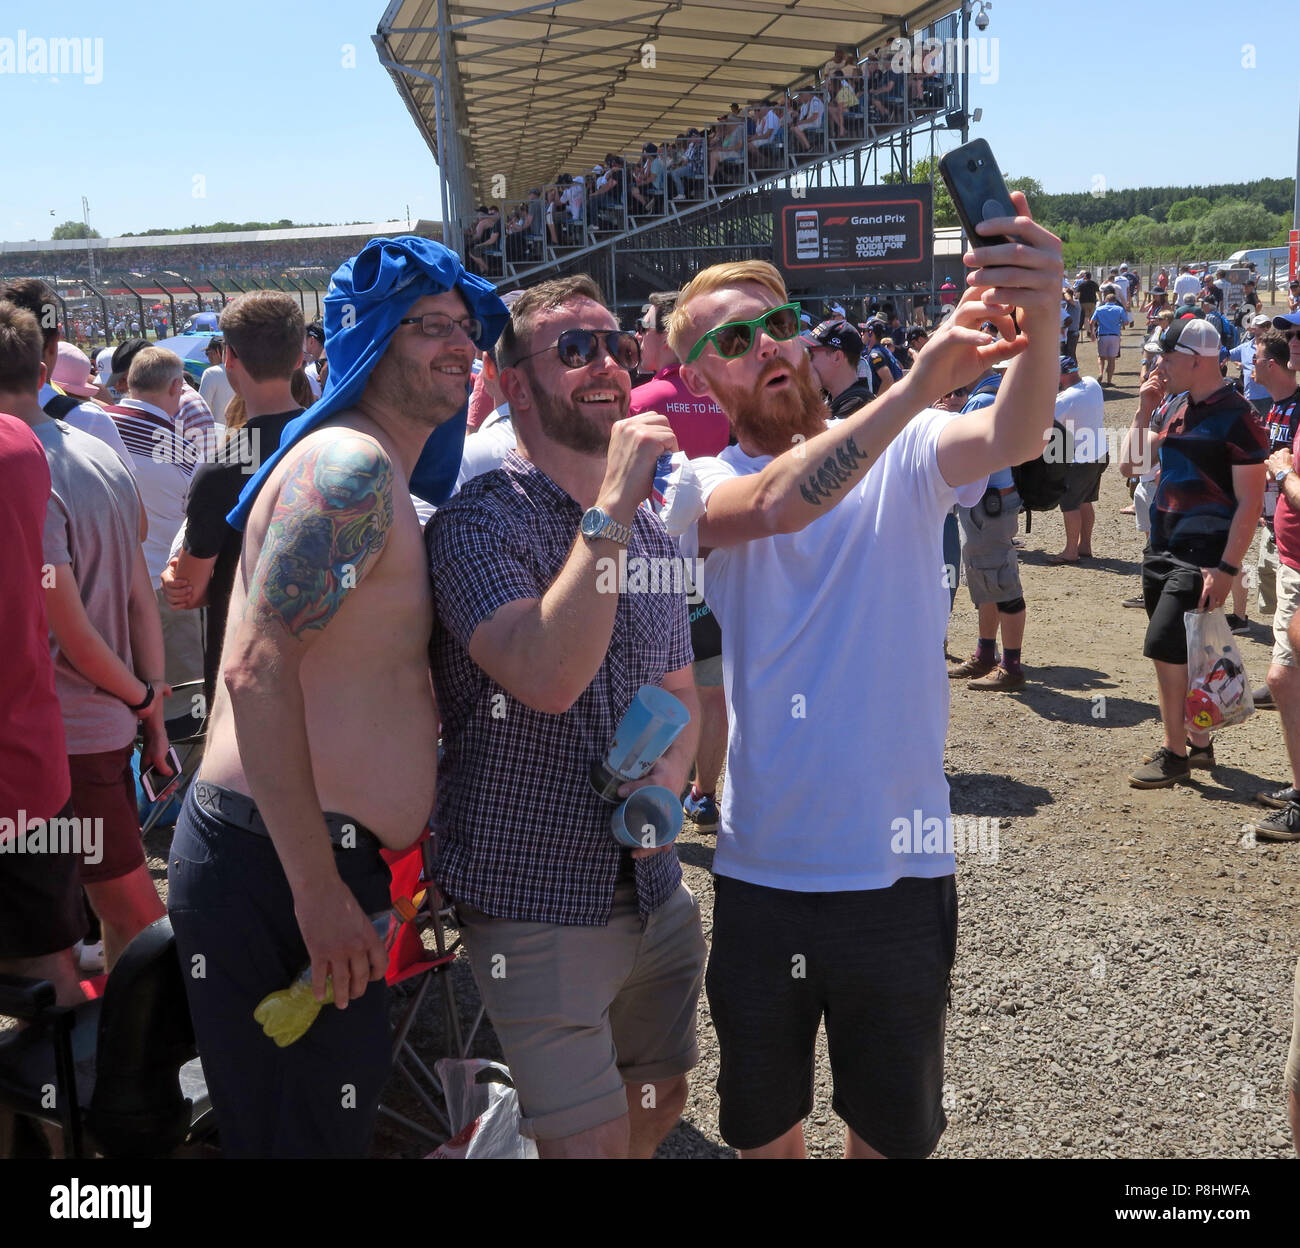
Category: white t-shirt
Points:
column 832, row 658
column 92, row 419
column 216, row 391
column 488, row 447
column 1185, row 284
column 1082, row 410
column 811, row 114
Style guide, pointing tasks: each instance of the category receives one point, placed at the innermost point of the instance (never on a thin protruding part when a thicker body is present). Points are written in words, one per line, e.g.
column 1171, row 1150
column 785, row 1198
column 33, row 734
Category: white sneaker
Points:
column 90, row 958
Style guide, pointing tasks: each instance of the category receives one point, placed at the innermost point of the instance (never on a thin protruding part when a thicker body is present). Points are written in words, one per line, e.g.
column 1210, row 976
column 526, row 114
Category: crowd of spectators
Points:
column 849, row 98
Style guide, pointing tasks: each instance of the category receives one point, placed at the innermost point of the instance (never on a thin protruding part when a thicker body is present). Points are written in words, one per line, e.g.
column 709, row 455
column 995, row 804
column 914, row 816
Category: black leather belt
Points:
column 241, row 812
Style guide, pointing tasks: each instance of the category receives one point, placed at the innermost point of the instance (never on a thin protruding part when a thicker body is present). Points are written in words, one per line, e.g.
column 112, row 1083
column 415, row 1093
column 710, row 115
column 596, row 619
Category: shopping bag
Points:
column 1218, row 689
column 483, row 1108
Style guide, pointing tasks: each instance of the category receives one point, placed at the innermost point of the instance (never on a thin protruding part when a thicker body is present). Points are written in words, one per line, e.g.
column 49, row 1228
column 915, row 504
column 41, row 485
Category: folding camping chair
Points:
column 408, row 961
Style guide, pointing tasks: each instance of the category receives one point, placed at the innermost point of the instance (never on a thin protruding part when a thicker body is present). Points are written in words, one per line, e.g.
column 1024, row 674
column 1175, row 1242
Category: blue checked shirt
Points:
column 520, row 833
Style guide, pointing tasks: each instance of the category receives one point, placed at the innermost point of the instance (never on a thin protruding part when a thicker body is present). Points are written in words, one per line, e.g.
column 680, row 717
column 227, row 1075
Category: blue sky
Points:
column 252, row 111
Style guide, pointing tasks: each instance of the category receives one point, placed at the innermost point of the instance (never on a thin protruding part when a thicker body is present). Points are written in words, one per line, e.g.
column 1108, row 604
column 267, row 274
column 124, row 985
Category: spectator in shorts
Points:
column 1081, row 408
column 1109, row 320
column 536, row 655
column 42, row 915
column 1203, row 515
column 806, row 872
column 107, row 640
column 834, row 348
column 1085, row 291
column 264, row 334
column 988, row 529
column 1282, row 424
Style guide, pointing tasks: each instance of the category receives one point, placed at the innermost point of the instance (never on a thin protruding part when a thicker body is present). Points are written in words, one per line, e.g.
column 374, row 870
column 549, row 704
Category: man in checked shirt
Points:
column 589, row 957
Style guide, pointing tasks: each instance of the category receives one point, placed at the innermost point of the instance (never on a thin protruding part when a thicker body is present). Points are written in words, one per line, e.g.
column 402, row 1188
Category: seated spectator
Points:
column 809, row 128
column 765, row 144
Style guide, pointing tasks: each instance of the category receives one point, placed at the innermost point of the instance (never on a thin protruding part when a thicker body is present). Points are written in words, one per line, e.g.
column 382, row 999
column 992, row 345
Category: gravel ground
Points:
column 1124, row 966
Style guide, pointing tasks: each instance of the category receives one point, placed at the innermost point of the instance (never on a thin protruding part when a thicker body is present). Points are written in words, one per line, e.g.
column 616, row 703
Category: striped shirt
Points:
column 521, row 834
column 185, row 439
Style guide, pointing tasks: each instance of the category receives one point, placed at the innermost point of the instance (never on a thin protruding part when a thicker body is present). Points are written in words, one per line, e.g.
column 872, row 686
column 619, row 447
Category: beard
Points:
column 564, row 423
column 406, row 386
column 772, row 421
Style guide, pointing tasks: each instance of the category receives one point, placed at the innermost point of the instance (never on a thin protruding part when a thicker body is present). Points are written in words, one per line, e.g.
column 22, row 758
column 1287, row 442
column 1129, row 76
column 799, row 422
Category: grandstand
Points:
column 113, row 288
column 539, row 118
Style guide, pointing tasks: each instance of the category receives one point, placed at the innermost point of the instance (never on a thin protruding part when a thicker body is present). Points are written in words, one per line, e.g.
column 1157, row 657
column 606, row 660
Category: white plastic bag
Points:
column 483, row 1107
column 1218, row 689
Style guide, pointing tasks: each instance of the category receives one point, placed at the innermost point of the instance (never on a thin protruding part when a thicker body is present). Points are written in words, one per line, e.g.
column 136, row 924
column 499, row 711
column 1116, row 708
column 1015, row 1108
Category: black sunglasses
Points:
column 577, row 348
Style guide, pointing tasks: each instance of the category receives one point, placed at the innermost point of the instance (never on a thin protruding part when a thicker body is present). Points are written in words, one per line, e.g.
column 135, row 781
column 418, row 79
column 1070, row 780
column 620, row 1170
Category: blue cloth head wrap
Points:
column 367, row 296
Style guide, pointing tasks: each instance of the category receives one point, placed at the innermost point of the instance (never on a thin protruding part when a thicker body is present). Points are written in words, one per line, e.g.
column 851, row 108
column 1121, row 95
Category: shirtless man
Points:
column 325, row 705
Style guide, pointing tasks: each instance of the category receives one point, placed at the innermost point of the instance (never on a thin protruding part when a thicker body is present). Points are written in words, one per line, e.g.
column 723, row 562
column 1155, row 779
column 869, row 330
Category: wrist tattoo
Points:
column 834, row 472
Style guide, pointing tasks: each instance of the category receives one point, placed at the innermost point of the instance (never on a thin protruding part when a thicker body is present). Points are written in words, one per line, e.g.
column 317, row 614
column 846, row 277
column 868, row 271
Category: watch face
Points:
column 592, row 521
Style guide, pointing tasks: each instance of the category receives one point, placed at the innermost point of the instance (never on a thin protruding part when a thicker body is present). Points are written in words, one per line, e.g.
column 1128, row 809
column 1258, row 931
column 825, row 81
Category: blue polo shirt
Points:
column 982, row 395
column 1109, row 318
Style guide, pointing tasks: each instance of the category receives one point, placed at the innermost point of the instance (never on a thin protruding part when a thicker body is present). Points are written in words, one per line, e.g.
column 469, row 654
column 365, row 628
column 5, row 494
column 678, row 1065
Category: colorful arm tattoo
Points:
column 329, row 524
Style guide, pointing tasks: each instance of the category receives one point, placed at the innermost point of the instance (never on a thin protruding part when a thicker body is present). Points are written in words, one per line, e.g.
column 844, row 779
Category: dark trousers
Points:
column 238, row 940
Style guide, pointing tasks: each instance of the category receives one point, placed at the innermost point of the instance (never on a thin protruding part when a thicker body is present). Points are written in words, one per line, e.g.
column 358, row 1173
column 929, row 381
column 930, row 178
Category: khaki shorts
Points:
column 1288, row 599
column 992, row 569
column 581, row 1011
column 1108, row 346
column 1293, row 1057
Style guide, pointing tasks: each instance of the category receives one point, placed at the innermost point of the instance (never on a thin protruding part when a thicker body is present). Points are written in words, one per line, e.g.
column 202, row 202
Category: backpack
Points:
column 60, row 405
column 1041, row 483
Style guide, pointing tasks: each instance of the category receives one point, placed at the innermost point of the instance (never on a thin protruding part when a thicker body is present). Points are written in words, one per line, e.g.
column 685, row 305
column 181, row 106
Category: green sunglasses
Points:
column 732, row 340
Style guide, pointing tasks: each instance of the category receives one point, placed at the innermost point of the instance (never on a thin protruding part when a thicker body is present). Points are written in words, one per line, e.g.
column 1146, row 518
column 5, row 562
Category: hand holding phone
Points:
column 155, row 783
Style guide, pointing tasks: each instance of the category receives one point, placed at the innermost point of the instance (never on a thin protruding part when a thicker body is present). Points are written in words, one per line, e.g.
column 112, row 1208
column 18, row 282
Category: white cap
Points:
column 1188, row 337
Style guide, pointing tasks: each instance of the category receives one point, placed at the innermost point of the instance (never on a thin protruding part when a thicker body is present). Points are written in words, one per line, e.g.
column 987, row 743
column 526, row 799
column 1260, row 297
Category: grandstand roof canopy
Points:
column 372, row 229
column 549, row 88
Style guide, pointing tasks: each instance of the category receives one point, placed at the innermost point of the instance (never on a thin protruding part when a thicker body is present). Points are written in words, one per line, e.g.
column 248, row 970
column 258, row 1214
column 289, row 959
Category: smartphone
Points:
column 978, row 189
column 154, row 783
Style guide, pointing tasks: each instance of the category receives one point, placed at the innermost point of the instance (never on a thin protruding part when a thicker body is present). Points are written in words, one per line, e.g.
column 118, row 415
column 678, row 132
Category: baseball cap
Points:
column 837, row 334
column 104, row 365
column 72, row 372
column 1290, row 321
column 1191, row 337
column 1260, row 322
column 124, row 354
column 1069, row 364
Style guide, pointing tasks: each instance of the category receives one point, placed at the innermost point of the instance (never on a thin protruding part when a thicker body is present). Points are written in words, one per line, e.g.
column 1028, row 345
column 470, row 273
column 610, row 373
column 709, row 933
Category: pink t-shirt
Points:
column 699, row 424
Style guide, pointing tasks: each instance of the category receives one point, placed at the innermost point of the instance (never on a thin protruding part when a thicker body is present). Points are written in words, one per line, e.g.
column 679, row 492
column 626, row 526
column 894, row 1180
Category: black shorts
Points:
column 1082, row 484
column 41, row 910
column 1171, row 585
column 876, row 965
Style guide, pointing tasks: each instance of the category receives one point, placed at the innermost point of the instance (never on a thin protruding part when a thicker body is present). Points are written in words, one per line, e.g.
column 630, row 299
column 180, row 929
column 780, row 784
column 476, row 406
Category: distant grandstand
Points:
column 113, row 288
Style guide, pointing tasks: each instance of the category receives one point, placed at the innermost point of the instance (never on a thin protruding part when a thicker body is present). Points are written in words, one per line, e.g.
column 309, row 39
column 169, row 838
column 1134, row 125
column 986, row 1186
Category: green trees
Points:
column 73, row 229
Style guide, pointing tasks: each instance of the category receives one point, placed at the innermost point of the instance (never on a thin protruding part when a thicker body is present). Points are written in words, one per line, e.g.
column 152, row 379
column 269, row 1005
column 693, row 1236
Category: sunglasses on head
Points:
column 735, row 338
column 577, row 348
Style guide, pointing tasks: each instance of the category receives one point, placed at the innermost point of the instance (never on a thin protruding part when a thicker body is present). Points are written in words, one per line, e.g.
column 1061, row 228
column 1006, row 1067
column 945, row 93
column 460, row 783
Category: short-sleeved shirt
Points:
column 521, row 833
column 1282, row 425
column 1109, row 318
column 33, row 756
column 214, row 491
column 1194, row 502
column 89, row 417
column 1245, row 356
column 806, row 807
column 1086, row 290
column 92, row 522
column 700, row 426
column 851, row 398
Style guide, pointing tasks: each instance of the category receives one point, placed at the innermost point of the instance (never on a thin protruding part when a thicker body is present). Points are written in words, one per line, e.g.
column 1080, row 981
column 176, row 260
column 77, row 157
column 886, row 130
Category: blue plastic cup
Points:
column 649, row 726
column 650, row 817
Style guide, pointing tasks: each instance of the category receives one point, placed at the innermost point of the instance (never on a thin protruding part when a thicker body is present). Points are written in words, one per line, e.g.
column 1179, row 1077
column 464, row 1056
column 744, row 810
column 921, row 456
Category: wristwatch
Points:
column 597, row 523
column 1281, row 474
column 1225, row 566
